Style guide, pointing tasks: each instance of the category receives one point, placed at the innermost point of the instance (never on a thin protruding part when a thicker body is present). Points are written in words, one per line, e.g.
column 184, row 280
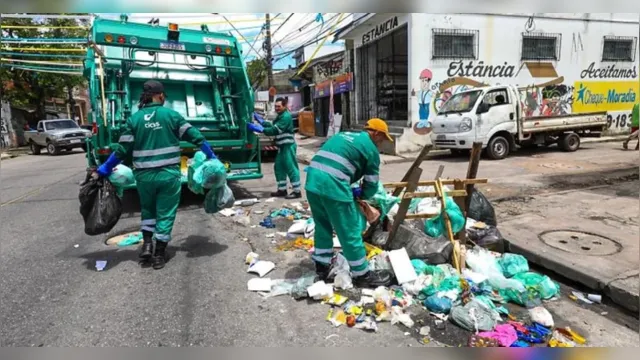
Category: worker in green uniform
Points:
column 344, row 159
column 286, row 164
column 152, row 136
column 635, row 117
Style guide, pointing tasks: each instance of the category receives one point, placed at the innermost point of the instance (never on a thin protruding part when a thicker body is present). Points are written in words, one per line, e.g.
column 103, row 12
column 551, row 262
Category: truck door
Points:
column 40, row 133
column 500, row 111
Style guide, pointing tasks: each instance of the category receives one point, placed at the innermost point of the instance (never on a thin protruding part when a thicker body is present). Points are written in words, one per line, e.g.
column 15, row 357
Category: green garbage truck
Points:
column 204, row 77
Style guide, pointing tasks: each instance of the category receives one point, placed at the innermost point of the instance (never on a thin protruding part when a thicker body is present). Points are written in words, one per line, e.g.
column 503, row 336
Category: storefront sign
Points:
column 479, row 69
column 593, row 96
column 341, row 83
column 609, row 72
column 380, row 30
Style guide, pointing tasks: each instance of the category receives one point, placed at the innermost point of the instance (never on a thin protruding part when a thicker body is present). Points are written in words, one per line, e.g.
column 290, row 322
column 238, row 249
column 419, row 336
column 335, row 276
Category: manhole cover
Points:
column 118, row 238
column 581, row 243
column 555, row 165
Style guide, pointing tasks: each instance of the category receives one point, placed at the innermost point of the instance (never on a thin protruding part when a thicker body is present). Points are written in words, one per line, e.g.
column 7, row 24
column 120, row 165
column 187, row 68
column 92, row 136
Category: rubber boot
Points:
column 147, row 245
column 294, row 195
column 279, row 193
column 159, row 255
column 625, row 145
column 322, row 272
column 374, row 278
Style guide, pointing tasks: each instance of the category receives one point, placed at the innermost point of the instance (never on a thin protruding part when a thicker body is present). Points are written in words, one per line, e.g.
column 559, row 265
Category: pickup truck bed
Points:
column 565, row 122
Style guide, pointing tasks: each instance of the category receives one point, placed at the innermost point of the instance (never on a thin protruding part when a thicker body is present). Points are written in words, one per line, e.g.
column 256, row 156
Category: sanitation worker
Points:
column 286, row 164
column 343, row 160
column 152, row 135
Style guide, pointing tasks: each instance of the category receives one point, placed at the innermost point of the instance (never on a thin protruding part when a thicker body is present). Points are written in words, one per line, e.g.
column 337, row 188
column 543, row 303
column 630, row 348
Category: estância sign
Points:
column 380, row 30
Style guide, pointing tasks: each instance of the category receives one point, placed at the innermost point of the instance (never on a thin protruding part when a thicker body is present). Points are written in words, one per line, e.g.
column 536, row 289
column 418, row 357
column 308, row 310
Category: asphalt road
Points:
column 52, row 295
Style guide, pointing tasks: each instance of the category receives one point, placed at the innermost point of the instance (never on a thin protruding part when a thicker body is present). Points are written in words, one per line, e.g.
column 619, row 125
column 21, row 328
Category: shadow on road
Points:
column 199, row 246
column 529, row 152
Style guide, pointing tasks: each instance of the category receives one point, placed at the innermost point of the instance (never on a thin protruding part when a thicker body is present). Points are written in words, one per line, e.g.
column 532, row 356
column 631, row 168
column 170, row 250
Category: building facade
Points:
column 407, row 65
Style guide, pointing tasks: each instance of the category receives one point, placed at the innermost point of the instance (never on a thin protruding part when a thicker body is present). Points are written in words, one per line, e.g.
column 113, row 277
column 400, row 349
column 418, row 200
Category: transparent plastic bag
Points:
column 122, row 175
column 205, row 174
column 513, row 264
column 435, row 227
column 218, row 199
column 481, row 261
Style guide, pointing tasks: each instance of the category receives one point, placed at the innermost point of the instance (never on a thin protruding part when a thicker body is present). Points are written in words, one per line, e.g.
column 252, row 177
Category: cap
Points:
column 380, row 126
column 426, row 74
column 153, row 87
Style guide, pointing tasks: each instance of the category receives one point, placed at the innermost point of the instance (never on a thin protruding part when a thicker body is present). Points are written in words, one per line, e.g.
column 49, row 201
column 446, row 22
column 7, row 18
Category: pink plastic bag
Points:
column 505, row 335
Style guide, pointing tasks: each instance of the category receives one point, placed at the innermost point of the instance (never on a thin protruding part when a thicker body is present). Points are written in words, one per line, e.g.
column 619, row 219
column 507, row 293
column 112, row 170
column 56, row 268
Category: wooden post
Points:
column 439, row 172
column 472, row 170
column 416, row 163
column 447, row 222
column 412, row 184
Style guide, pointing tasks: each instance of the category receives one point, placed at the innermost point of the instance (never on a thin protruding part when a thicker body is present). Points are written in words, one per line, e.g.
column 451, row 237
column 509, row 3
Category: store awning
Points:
column 343, row 31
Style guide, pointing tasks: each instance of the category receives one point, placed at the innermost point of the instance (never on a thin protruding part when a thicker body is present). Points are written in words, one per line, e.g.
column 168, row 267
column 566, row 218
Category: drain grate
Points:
column 580, row 242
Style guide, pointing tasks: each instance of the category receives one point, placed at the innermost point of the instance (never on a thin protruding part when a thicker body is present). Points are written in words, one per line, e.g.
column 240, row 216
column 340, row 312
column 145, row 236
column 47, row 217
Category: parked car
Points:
column 56, row 135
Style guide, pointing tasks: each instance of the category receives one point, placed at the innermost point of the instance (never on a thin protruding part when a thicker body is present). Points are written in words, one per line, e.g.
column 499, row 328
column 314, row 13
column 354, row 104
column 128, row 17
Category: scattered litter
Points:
column 101, row 264
column 76, row 246
column 268, row 223
column 340, row 272
column 425, row 330
column 270, row 200
column 228, row 212
column 243, row 220
column 580, row 296
column 541, row 316
column 604, row 313
column 246, row 202
column 261, row 268
column 505, row 335
column 402, row 266
column 258, row 212
column 297, row 227
column 336, row 300
column 299, row 243
column 251, row 258
column 595, row 298
column 270, row 236
column 320, row 291
column 259, row 284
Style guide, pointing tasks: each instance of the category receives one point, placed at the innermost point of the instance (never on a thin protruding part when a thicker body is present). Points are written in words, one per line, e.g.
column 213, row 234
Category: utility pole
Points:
column 267, row 48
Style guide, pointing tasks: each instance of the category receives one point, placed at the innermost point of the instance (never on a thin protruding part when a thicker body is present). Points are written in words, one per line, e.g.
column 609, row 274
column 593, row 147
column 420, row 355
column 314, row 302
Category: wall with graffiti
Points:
column 576, row 80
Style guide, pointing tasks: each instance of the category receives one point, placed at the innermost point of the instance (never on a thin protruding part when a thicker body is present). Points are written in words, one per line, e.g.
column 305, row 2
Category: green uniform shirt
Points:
column 281, row 128
column 343, row 160
column 635, row 115
column 152, row 135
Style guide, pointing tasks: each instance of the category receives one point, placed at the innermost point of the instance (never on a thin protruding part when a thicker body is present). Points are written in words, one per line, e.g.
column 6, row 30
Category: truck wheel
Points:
column 35, row 148
column 569, row 142
column 498, row 148
column 52, row 149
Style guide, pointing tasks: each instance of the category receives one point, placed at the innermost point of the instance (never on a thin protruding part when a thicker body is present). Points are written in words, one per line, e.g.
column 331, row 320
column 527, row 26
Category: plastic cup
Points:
column 595, row 298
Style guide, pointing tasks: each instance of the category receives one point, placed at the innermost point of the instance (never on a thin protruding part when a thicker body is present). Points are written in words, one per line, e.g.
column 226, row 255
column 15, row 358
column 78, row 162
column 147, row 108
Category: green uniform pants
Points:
column 159, row 191
column 343, row 217
column 286, row 165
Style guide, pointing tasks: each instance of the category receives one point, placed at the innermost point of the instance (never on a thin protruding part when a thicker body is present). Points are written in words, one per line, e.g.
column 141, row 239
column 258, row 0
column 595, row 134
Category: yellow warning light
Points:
column 227, row 51
column 108, row 38
column 173, row 27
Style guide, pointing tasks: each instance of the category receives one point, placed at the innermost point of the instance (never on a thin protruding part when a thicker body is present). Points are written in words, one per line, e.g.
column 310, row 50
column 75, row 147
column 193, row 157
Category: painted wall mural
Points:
column 553, row 97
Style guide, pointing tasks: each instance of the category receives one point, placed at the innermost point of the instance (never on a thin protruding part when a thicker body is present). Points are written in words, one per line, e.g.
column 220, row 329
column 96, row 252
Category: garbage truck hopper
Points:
column 204, row 79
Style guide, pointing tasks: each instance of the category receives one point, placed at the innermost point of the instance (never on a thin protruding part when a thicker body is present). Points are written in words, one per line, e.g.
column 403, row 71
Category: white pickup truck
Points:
column 494, row 115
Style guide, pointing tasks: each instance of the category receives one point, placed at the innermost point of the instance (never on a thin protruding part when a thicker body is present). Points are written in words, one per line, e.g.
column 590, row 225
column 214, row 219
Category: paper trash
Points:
column 402, row 266
column 259, row 284
column 261, row 268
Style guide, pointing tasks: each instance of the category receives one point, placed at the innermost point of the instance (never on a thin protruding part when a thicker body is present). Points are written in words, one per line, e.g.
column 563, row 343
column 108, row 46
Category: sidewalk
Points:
column 308, row 146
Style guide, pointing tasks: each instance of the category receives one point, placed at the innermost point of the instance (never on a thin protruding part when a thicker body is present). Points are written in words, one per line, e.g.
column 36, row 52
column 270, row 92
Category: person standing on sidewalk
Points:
column 286, row 163
column 635, row 117
column 152, row 135
column 344, row 159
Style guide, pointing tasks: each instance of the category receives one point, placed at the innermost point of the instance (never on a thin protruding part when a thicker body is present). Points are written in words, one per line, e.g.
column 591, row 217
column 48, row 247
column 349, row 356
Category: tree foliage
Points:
column 31, row 88
column 257, row 71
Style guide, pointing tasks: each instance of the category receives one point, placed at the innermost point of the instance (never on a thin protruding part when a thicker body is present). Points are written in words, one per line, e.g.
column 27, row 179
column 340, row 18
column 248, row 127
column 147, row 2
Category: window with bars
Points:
column 540, row 46
column 619, row 48
column 454, row 44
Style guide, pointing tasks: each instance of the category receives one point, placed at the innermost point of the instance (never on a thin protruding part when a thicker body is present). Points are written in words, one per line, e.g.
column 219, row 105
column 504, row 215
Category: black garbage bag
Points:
column 421, row 246
column 100, row 206
column 480, row 209
column 488, row 237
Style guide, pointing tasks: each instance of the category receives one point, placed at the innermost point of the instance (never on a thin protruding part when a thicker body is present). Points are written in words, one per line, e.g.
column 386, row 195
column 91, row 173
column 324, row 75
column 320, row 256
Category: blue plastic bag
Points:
column 438, row 305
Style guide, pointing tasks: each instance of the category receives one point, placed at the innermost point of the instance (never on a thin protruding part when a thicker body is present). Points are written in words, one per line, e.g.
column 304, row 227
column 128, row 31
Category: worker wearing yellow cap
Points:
column 345, row 159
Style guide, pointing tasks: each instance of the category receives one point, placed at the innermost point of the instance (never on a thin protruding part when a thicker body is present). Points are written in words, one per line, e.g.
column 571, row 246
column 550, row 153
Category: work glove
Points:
column 206, row 149
column 107, row 167
column 357, row 192
column 255, row 127
column 258, row 118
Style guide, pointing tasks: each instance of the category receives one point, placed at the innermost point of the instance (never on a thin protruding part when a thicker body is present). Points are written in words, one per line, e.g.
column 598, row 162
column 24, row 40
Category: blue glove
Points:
column 206, row 149
column 255, row 127
column 258, row 118
column 357, row 192
column 107, row 167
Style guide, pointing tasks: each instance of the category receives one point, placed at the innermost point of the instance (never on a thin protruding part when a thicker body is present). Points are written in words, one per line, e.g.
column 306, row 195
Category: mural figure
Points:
column 425, row 96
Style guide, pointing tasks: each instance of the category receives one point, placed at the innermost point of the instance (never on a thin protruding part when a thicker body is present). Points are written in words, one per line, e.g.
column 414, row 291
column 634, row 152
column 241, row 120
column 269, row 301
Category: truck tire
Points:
column 35, row 148
column 52, row 149
column 498, row 148
column 569, row 142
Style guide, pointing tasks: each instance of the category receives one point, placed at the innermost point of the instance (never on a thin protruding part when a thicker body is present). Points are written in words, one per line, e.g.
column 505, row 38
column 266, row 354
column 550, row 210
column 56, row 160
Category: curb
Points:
column 617, row 294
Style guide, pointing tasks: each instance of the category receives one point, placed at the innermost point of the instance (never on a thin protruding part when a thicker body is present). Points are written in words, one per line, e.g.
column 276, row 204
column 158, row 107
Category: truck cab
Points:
column 494, row 116
column 204, row 77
